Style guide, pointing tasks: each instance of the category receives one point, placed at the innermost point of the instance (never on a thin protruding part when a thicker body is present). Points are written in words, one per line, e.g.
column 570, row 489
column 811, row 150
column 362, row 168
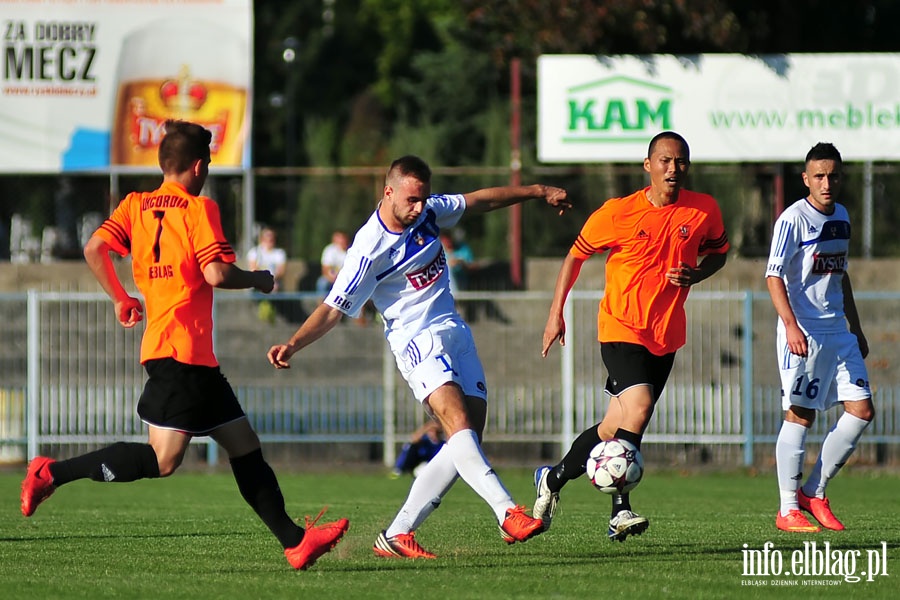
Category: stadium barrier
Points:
column 71, row 375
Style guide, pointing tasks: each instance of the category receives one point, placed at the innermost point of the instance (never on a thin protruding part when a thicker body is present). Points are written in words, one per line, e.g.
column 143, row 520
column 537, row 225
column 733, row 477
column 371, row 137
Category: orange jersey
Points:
column 171, row 236
column 639, row 304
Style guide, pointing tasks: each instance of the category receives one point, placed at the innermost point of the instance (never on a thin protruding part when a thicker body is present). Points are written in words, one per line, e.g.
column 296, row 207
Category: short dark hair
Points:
column 824, row 151
column 409, row 165
column 668, row 135
column 182, row 145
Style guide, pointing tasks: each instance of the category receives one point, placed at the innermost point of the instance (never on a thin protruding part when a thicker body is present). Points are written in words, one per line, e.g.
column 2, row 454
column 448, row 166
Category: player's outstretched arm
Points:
column 129, row 311
column 228, row 276
column 489, row 199
column 321, row 321
column 556, row 324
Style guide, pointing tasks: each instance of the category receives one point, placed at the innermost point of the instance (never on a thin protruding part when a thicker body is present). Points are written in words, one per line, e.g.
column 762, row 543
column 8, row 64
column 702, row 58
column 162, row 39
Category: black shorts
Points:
column 629, row 365
column 189, row 398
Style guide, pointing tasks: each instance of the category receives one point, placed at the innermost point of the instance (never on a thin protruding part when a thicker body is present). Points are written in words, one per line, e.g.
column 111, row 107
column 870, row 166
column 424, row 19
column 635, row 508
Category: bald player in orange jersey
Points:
column 179, row 254
column 655, row 239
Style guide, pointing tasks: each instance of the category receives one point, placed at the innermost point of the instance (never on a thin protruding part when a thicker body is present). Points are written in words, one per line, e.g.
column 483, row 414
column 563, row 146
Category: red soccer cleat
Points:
column 819, row 508
column 519, row 527
column 795, row 522
column 37, row 485
column 403, row 545
column 317, row 540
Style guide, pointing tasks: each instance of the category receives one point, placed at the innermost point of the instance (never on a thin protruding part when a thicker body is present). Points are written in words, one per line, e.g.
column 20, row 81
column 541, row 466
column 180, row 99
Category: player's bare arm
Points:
column 489, row 199
column 228, row 276
column 556, row 324
column 684, row 275
column 796, row 339
column 852, row 315
column 129, row 310
column 320, row 322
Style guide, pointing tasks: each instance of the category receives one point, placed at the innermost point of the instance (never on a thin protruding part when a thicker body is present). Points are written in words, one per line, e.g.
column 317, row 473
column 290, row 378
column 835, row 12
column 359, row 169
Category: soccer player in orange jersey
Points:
column 179, row 254
column 655, row 238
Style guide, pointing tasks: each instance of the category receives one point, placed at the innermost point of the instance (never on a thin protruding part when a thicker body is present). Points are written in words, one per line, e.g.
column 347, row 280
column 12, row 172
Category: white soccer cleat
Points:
column 626, row 523
column 546, row 501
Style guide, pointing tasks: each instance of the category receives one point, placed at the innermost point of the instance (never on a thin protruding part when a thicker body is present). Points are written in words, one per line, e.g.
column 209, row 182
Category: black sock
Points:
column 620, row 502
column 572, row 466
column 121, row 462
column 259, row 487
column 629, row 436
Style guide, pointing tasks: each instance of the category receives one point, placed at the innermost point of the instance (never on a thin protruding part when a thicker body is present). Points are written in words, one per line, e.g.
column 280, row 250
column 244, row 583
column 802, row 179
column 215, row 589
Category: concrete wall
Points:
column 739, row 274
column 74, row 276
column 540, row 274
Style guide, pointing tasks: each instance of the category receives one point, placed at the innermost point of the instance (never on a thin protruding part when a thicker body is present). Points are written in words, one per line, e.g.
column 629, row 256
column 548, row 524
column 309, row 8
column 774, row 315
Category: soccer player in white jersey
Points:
column 820, row 361
column 397, row 261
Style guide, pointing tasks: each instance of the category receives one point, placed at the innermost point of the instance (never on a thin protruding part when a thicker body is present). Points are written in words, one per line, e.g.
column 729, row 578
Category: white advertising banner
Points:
column 729, row 107
column 88, row 84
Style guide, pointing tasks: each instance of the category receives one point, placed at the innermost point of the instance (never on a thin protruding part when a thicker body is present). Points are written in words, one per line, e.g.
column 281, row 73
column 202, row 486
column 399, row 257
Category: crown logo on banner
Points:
column 183, row 93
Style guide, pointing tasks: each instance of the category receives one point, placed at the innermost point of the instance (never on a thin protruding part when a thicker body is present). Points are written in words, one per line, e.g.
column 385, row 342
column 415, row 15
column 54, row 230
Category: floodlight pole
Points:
column 515, row 173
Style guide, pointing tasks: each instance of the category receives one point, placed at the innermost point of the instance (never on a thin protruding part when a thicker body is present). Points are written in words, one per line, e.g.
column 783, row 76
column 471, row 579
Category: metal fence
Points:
column 69, row 375
column 48, row 216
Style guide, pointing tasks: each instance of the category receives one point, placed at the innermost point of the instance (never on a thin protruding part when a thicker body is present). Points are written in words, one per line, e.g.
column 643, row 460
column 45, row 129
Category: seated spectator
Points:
column 333, row 256
column 266, row 256
column 459, row 259
column 423, row 445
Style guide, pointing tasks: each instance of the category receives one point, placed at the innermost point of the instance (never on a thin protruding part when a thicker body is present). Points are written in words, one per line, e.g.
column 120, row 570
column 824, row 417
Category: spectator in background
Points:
column 424, row 443
column 333, row 256
column 459, row 258
column 266, row 256
column 462, row 268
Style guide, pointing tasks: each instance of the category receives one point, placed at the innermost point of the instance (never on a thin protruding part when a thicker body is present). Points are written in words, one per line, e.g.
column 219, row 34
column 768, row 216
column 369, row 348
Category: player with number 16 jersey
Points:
column 820, row 343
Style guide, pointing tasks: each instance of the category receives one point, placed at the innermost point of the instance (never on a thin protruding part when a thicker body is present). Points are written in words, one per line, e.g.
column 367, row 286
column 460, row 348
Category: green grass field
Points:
column 191, row 536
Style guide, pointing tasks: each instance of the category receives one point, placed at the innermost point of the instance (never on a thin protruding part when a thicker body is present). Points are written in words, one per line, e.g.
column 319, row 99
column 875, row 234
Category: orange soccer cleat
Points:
column 37, row 485
column 795, row 522
column 402, row 545
column 820, row 509
column 317, row 540
column 519, row 527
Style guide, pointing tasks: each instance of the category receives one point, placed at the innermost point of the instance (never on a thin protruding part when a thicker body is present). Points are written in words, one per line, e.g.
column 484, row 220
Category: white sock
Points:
column 475, row 470
column 839, row 444
column 425, row 494
column 789, row 451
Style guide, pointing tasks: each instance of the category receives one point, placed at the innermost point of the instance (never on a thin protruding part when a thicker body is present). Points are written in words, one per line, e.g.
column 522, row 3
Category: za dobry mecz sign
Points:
column 730, row 107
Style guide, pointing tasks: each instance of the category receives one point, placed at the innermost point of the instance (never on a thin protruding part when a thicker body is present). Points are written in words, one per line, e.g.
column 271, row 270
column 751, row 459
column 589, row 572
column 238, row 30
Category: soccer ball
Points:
column 615, row 466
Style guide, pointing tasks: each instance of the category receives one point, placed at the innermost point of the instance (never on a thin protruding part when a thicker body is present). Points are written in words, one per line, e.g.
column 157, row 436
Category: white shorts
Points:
column 440, row 355
column 833, row 371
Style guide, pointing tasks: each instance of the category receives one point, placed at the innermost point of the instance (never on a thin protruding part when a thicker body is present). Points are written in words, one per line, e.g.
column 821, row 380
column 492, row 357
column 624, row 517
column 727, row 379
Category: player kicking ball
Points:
column 397, row 261
column 661, row 240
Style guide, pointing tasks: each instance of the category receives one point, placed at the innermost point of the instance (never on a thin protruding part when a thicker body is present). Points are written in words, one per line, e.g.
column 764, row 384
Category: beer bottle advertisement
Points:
column 90, row 84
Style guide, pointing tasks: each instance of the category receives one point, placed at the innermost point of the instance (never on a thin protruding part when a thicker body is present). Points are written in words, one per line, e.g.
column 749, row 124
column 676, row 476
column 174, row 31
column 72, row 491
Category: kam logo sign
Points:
column 617, row 109
column 730, row 107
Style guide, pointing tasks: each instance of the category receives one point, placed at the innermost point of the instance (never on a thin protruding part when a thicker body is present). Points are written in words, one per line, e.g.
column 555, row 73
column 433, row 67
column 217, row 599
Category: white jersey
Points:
column 404, row 274
column 809, row 252
column 268, row 259
column 333, row 256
